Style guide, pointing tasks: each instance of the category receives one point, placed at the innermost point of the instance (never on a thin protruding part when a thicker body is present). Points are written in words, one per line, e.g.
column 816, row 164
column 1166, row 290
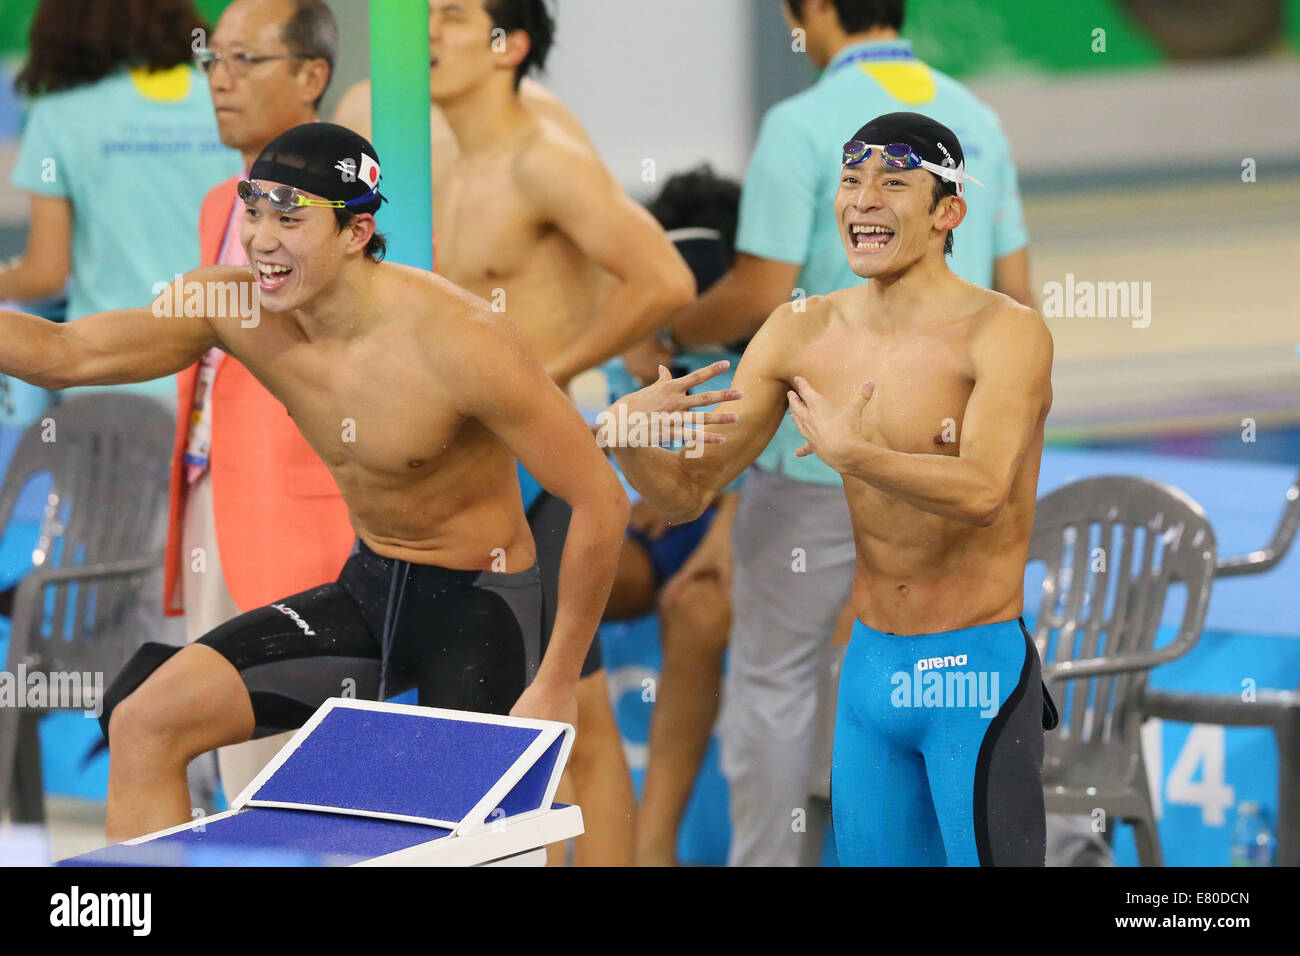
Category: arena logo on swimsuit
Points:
column 306, row 629
column 931, row 663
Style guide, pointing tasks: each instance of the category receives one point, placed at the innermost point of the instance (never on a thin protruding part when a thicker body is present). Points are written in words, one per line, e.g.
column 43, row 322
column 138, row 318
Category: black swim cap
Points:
column 326, row 159
column 929, row 139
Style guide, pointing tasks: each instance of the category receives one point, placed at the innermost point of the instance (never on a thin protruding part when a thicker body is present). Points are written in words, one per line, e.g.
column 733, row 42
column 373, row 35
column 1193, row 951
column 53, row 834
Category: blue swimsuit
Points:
column 939, row 749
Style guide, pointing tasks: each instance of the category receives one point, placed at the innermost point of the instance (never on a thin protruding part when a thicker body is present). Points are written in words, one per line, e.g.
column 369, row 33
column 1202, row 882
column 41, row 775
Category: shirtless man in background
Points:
column 527, row 217
column 420, row 400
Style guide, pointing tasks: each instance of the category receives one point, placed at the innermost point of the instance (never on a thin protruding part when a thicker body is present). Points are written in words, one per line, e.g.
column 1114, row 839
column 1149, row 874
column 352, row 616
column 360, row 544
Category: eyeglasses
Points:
column 240, row 63
column 286, row 198
column 901, row 156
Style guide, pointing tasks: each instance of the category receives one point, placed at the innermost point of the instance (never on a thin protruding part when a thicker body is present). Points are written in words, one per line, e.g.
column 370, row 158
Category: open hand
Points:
column 661, row 410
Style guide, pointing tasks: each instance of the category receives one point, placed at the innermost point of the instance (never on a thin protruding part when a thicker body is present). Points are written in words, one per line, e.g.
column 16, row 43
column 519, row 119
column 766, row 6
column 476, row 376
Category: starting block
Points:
column 364, row 783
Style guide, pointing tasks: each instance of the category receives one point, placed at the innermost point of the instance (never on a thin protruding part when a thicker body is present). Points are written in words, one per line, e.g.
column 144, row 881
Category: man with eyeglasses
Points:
column 254, row 512
column 926, row 395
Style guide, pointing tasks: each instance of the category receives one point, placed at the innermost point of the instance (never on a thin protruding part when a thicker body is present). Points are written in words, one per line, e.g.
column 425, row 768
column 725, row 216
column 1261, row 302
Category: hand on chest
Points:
column 917, row 405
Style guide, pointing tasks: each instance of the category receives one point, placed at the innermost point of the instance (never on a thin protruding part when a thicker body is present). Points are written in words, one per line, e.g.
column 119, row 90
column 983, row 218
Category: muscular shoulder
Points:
column 214, row 302
column 546, row 106
column 553, row 161
column 426, row 298
column 451, row 328
column 216, row 284
column 218, row 273
column 802, row 318
column 790, row 328
column 1005, row 333
column 1002, row 320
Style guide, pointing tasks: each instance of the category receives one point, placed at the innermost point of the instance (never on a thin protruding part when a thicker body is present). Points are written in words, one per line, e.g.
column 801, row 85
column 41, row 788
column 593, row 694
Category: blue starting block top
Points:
column 364, row 780
column 419, row 764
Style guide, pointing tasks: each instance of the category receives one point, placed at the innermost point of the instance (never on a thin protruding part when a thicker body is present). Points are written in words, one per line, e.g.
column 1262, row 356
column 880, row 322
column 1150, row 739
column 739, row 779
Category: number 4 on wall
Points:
column 1205, row 751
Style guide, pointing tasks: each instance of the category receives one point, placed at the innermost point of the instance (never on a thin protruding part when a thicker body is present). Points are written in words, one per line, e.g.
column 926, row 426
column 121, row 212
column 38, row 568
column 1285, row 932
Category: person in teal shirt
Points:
column 794, row 556
column 118, row 148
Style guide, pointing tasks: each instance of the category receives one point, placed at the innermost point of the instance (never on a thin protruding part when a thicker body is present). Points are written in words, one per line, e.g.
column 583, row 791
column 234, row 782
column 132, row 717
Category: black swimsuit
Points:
column 466, row 640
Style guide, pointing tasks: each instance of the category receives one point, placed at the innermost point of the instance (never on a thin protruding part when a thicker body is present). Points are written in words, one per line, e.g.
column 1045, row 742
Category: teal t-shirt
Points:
column 135, row 158
column 787, row 204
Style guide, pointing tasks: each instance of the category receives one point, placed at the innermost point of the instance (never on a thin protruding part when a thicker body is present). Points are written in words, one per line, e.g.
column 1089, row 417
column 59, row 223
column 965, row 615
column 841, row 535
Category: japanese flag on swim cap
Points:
column 929, row 139
column 326, row 159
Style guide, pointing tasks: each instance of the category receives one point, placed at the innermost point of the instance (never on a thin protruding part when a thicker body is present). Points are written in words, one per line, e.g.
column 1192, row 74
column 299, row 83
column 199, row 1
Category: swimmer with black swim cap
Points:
column 420, row 400
column 928, row 394
column 310, row 166
column 529, row 217
column 907, row 141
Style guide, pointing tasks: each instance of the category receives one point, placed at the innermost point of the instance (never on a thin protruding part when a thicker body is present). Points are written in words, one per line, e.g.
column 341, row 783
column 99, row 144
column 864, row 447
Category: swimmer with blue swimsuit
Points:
column 928, row 395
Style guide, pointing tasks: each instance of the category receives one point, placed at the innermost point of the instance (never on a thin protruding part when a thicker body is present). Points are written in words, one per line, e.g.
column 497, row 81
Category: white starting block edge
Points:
column 498, row 843
column 477, row 817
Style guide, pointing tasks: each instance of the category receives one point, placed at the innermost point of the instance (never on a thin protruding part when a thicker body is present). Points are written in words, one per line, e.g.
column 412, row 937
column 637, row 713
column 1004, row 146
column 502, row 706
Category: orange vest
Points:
column 281, row 524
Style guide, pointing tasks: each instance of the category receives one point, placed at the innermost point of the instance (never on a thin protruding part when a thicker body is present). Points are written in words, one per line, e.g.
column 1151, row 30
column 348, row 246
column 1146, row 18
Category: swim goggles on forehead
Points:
column 901, row 156
column 286, row 198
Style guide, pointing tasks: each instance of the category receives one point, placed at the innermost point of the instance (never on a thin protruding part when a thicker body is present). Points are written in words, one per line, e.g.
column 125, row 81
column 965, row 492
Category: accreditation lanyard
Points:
column 876, row 54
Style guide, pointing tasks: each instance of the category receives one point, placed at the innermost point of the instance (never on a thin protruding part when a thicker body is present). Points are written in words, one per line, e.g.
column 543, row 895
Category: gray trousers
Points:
column 793, row 562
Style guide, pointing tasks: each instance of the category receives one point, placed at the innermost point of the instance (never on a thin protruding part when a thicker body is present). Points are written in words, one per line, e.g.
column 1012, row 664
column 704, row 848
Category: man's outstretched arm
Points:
column 107, row 348
column 680, row 484
column 496, row 379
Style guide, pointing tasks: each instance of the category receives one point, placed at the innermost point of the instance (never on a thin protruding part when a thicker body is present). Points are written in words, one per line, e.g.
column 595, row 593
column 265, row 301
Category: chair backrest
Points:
column 1112, row 547
column 107, row 457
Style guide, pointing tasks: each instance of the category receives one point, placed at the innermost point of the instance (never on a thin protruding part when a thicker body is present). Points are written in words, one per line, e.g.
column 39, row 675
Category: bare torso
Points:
column 422, row 481
column 493, row 241
column 918, row 572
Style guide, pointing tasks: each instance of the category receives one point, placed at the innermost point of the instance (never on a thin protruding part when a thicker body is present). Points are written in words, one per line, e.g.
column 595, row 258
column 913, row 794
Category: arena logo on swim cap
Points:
column 214, row 300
